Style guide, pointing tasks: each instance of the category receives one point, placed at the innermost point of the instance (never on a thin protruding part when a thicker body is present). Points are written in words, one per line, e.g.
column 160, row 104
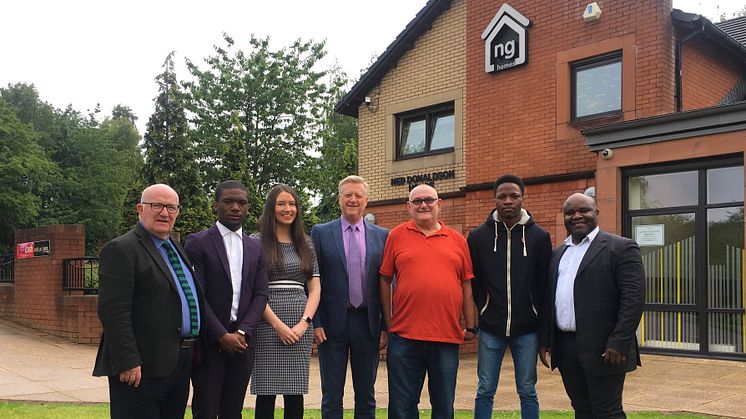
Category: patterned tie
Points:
column 173, row 258
column 353, row 270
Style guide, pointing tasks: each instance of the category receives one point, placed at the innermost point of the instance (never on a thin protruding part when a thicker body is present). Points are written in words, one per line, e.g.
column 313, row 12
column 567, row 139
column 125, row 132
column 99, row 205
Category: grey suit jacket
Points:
column 609, row 297
column 335, row 295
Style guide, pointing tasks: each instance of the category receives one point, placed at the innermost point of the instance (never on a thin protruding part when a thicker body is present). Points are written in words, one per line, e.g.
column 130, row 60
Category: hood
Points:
column 526, row 218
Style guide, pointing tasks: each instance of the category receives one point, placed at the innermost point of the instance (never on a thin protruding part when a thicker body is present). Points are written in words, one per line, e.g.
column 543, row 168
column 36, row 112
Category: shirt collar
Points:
column 225, row 230
column 589, row 238
column 345, row 224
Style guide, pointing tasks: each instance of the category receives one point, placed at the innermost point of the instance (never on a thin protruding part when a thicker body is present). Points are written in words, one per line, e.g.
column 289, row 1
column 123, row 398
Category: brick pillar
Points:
column 38, row 298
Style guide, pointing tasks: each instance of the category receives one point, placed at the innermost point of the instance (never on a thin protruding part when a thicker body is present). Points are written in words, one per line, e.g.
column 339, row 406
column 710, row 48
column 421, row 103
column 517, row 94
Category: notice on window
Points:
column 650, row 234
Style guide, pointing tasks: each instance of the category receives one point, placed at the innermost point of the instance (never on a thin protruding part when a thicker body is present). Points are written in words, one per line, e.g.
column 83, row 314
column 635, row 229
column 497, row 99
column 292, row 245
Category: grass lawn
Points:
column 67, row 410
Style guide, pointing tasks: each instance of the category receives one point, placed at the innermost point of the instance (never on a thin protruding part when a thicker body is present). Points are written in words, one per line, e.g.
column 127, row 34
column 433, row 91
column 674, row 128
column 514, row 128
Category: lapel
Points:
column 217, row 242
column 598, row 244
column 554, row 266
column 246, row 260
column 144, row 237
column 338, row 240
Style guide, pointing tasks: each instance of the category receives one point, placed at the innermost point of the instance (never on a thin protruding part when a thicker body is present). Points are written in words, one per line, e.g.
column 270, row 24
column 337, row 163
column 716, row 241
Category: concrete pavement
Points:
column 39, row 367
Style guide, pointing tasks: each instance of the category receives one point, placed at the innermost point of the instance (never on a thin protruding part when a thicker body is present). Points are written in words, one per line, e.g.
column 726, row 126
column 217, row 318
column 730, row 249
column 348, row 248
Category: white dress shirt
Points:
column 233, row 242
column 564, row 301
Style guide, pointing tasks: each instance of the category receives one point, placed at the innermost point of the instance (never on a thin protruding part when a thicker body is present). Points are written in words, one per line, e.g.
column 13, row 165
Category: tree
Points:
column 170, row 155
column 269, row 102
column 24, row 173
column 93, row 163
column 338, row 151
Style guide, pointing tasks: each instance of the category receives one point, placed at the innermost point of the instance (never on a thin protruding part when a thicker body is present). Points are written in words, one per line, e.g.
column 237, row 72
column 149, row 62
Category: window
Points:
column 597, row 87
column 425, row 131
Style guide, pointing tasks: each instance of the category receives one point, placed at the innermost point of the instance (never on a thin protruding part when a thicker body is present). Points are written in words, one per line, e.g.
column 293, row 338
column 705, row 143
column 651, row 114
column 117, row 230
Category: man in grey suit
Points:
column 349, row 252
column 149, row 306
column 594, row 304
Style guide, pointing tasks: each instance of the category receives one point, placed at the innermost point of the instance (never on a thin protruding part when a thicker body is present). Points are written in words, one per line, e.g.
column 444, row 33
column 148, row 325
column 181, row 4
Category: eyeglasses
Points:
column 158, row 207
column 418, row 201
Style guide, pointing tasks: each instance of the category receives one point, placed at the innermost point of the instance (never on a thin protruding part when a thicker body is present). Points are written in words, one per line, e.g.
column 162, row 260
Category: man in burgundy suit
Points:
column 231, row 269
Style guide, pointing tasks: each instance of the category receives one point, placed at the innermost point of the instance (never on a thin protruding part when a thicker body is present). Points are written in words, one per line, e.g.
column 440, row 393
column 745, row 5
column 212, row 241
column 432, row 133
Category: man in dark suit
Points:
column 231, row 269
column 148, row 304
column 349, row 252
column 595, row 301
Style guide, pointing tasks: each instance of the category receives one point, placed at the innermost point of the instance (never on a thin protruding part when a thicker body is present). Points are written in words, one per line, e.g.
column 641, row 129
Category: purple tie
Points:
column 353, row 270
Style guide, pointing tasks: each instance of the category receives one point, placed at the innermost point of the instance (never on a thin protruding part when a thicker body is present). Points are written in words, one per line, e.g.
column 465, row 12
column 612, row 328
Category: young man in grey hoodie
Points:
column 510, row 254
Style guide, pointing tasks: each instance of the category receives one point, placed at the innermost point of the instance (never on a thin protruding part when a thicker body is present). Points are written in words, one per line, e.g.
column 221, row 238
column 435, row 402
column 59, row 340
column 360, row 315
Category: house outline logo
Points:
column 508, row 53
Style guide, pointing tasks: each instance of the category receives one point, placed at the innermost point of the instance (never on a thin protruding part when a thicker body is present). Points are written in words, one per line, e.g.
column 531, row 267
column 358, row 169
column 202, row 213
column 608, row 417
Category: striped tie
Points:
column 173, row 259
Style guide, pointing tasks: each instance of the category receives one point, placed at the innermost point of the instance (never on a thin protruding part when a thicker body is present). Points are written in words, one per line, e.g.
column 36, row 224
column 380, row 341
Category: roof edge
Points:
column 421, row 23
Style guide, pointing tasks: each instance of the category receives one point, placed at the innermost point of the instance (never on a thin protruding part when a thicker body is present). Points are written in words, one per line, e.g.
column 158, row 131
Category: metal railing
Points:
column 80, row 274
column 7, row 263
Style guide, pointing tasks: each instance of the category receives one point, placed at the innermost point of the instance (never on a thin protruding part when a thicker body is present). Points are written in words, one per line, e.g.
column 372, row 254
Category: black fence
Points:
column 80, row 274
column 7, row 263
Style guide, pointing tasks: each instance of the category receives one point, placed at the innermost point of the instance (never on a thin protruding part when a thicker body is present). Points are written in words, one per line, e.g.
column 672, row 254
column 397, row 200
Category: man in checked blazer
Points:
column 594, row 304
column 231, row 268
column 339, row 325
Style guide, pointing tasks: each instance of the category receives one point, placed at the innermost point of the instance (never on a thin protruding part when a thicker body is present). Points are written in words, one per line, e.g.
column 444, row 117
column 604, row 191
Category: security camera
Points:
column 368, row 100
column 607, row 154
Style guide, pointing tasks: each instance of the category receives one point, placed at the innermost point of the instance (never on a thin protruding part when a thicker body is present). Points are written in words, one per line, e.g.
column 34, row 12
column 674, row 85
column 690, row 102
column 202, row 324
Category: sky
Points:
column 86, row 52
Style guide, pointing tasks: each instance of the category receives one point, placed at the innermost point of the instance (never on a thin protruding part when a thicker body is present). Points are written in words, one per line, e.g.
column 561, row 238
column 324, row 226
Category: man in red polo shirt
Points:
column 433, row 272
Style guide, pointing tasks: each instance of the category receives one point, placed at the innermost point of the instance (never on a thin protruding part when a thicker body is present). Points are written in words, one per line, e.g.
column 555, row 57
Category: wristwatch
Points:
column 241, row 332
column 307, row 319
column 473, row 330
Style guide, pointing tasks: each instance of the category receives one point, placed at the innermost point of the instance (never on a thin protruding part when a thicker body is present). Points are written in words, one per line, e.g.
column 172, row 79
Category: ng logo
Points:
column 505, row 40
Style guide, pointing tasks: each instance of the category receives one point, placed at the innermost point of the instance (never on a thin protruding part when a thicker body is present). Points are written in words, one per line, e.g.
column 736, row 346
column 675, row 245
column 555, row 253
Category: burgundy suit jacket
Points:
column 207, row 253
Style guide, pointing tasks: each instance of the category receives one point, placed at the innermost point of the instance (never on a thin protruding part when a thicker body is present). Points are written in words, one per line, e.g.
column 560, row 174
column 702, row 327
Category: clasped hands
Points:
column 232, row 343
column 291, row 335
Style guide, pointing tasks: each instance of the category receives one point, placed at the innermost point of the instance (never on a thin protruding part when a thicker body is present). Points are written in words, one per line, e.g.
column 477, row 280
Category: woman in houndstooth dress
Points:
column 284, row 336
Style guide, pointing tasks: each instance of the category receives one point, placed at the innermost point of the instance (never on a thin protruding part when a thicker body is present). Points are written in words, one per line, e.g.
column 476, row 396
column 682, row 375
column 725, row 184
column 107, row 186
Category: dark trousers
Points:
column 220, row 383
column 363, row 355
column 592, row 396
column 155, row 398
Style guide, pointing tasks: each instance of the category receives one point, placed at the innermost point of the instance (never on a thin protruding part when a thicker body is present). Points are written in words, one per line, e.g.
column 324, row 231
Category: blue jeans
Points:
column 408, row 360
column 524, row 349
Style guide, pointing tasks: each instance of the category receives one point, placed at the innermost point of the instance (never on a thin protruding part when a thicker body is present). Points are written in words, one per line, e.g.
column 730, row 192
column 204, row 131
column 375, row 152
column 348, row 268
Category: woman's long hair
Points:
column 267, row 228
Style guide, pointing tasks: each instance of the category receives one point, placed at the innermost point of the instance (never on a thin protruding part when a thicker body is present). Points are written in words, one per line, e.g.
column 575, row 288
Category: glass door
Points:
column 688, row 221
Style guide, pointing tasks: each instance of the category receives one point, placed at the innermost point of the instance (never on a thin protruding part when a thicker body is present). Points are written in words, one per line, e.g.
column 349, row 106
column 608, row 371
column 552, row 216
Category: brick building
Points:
column 628, row 100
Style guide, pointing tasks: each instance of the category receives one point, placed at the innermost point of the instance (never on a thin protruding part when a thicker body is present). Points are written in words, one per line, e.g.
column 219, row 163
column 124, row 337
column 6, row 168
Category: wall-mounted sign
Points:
column 32, row 249
column 506, row 40
column 650, row 234
column 422, row 178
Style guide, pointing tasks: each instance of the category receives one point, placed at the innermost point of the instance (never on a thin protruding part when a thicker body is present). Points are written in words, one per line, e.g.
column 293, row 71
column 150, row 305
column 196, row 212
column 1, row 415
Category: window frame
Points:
column 429, row 114
column 591, row 63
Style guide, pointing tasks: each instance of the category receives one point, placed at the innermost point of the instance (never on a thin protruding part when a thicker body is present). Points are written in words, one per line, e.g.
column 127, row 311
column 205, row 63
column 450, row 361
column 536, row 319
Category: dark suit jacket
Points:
column 139, row 307
column 335, row 294
column 207, row 252
column 609, row 297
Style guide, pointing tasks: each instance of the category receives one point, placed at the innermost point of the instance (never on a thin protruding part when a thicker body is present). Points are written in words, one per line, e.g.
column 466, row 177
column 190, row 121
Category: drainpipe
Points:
column 677, row 64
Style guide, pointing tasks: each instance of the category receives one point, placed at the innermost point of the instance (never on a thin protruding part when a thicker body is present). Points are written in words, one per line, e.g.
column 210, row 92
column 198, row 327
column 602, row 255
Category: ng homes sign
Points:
column 505, row 40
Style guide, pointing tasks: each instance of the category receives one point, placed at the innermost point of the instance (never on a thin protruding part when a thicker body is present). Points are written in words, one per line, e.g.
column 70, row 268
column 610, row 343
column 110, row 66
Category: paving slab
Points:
column 35, row 366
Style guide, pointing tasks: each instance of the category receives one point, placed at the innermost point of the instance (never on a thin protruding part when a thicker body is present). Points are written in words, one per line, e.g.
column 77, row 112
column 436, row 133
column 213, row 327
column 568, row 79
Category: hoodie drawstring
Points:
column 494, row 249
column 524, row 241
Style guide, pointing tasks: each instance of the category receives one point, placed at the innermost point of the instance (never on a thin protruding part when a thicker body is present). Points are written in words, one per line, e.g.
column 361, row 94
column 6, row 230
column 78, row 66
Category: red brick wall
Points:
column 36, row 299
column 517, row 120
column 708, row 74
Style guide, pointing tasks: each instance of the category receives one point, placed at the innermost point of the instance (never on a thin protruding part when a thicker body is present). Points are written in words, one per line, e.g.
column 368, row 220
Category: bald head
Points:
column 423, row 189
column 153, row 209
column 581, row 216
column 156, row 189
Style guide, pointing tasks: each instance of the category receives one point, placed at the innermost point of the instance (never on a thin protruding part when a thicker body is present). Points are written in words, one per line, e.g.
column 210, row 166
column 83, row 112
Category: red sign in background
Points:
column 25, row 250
